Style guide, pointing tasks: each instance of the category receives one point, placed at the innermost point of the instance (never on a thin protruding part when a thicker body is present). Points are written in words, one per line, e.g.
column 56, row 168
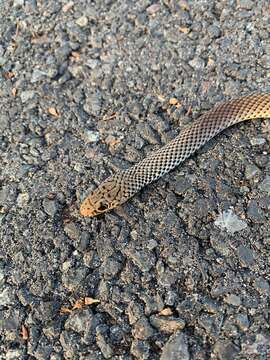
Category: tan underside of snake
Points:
column 121, row 186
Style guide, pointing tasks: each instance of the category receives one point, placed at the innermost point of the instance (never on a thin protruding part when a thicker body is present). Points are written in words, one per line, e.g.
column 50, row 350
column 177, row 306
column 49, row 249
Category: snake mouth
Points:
column 104, row 198
column 89, row 208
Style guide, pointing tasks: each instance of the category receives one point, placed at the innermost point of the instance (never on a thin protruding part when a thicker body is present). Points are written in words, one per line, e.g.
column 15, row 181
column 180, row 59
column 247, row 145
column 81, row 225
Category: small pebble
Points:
column 246, row 256
column 262, row 286
column 18, row 3
column 50, row 206
column 22, row 199
column 213, row 31
column 197, row 63
column 225, row 350
column 168, row 324
column 231, row 222
column 152, row 9
column 104, row 346
column 91, row 136
column 140, row 349
column 257, row 141
column 93, row 104
column 233, row 300
column 254, row 212
column 176, row 348
column 181, row 185
column 37, row 75
column 14, row 354
column 6, row 297
column 27, row 95
column 72, row 230
column 246, row 4
column 251, row 171
column 242, row 321
column 265, row 185
column 82, row 21
column 142, row 329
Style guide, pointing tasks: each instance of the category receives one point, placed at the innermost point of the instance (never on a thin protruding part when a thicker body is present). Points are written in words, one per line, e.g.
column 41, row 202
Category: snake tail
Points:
column 121, row 186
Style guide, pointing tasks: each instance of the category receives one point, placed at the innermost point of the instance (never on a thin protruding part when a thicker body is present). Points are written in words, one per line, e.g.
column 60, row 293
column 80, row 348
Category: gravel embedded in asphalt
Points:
column 182, row 268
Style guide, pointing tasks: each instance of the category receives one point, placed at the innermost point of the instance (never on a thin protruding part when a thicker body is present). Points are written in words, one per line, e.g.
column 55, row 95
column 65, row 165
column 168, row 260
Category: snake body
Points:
column 121, row 186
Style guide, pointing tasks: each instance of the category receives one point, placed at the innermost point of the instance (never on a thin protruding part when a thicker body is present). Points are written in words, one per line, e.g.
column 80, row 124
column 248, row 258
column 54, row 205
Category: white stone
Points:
column 229, row 221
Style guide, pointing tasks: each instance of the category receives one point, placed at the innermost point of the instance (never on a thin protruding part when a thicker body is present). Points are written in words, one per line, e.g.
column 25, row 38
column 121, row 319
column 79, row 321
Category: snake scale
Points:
column 121, row 186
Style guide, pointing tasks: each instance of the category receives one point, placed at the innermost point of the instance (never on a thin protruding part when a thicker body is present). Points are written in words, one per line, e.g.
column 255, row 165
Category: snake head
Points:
column 107, row 196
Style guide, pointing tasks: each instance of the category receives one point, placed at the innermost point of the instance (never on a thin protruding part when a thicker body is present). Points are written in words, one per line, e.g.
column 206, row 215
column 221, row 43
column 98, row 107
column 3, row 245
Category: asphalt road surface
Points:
column 182, row 270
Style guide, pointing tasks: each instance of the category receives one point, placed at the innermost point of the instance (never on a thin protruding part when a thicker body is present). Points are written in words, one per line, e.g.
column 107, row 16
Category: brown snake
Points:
column 121, row 186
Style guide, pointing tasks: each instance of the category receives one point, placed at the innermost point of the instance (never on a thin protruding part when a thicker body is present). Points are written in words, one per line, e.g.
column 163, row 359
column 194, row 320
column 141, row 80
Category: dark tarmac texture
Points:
column 182, row 270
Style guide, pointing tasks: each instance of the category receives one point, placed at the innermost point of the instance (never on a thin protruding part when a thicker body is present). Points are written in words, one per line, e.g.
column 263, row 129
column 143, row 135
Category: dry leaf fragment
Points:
column 78, row 304
column 152, row 9
column 205, row 86
column 184, row 30
column 14, row 92
column 75, row 56
column 173, row 101
column 64, row 310
column 161, row 98
column 165, row 312
column 90, row 301
column 67, row 6
column 210, row 62
column 112, row 140
column 24, row 333
column 53, row 112
column 18, row 25
column 189, row 112
column 14, row 44
column 9, row 74
column 39, row 39
column 184, row 5
column 112, row 116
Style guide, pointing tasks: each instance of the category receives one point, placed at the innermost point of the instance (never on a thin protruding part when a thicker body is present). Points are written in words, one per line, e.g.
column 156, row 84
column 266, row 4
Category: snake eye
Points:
column 102, row 207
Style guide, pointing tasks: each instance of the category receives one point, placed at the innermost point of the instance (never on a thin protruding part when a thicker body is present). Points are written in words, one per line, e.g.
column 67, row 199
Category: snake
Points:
column 124, row 184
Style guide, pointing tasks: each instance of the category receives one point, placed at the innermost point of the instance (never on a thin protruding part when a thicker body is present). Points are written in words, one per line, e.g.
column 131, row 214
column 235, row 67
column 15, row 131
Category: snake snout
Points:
column 87, row 208
column 102, row 199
